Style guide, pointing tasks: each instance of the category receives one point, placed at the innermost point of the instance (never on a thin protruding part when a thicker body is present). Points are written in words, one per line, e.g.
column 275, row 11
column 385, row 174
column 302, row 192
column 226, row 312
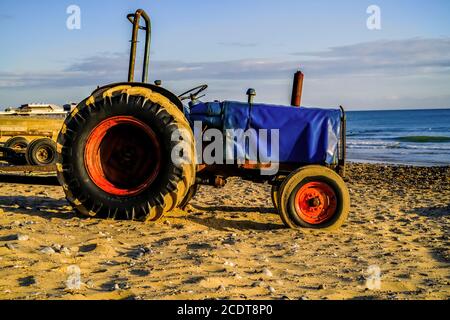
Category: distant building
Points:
column 38, row 109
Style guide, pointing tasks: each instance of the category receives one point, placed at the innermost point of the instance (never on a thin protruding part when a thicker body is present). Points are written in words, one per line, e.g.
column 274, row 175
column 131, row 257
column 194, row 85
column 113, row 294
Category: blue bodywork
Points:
column 306, row 135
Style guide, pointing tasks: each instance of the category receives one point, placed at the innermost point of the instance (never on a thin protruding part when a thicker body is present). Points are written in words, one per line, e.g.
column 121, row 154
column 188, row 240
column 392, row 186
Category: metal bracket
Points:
column 343, row 149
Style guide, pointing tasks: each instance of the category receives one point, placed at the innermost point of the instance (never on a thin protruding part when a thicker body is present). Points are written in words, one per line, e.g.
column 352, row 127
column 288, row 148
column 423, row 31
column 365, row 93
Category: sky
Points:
column 233, row 45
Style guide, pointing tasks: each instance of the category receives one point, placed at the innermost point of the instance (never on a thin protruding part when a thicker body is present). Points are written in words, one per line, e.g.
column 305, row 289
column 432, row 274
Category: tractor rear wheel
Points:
column 115, row 155
column 314, row 197
column 190, row 195
column 41, row 152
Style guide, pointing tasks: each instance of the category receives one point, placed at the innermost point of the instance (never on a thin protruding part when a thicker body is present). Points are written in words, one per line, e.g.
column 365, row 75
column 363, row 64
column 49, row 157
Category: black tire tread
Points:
column 180, row 179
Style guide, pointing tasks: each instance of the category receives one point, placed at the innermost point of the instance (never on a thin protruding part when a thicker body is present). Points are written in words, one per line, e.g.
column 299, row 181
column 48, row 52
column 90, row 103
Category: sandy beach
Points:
column 230, row 244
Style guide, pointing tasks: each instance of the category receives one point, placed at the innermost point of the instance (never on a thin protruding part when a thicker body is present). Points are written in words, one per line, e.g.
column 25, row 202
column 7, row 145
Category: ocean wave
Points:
column 367, row 144
column 378, row 144
column 393, row 130
column 423, row 139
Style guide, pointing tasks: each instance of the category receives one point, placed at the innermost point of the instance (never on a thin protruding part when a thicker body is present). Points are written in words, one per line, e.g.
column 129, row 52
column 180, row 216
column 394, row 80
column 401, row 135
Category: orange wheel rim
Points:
column 122, row 156
column 315, row 203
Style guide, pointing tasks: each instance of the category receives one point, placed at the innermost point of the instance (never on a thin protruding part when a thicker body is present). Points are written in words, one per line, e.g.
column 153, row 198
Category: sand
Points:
column 230, row 244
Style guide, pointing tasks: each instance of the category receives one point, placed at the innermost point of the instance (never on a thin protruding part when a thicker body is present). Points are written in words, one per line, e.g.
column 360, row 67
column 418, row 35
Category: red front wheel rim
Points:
column 316, row 203
column 122, row 156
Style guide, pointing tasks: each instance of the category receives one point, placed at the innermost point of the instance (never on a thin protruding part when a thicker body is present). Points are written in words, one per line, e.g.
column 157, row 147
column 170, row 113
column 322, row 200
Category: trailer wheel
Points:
column 17, row 144
column 314, row 197
column 115, row 155
column 41, row 152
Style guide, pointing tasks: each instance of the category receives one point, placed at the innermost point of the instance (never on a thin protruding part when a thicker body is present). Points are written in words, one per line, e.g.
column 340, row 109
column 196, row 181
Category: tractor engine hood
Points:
column 306, row 135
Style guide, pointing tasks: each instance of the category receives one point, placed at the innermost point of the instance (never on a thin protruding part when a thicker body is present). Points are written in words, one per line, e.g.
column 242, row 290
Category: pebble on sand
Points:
column 10, row 246
column 48, row 250
column 221, row 288
column 258, row 284
column 22, row 237
column 229, row 264
column 267, row 272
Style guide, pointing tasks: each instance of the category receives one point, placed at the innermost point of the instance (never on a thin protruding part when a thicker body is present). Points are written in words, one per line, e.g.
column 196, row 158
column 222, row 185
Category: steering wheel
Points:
column 193, row 93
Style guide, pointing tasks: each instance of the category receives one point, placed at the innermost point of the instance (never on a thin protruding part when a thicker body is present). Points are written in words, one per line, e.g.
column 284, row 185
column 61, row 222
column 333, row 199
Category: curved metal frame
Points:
column 135, row 20
column 343, row 144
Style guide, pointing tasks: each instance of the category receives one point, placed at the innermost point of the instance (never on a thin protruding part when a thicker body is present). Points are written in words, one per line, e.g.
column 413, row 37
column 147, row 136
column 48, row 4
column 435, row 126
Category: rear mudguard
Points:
column 169, row 95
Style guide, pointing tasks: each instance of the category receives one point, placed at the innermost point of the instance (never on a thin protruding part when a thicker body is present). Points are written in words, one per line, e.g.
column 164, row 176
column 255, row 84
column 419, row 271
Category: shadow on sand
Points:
column 235, row 209
column 29, row 180
column 242, row 225
column 432, row 212
column 43, row 207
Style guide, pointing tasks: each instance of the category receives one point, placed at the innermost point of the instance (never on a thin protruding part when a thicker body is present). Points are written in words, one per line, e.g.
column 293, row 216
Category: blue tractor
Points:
column 134, row 150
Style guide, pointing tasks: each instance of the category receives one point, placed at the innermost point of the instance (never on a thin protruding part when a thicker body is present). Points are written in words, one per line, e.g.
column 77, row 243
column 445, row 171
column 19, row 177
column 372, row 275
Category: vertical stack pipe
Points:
column 297, row 89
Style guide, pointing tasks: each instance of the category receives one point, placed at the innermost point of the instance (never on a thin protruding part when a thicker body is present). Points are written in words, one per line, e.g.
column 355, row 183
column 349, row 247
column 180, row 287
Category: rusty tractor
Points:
column 117, row 156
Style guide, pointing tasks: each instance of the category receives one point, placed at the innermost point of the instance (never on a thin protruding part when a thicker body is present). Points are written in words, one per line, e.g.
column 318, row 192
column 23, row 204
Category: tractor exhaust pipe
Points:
column 297, row 89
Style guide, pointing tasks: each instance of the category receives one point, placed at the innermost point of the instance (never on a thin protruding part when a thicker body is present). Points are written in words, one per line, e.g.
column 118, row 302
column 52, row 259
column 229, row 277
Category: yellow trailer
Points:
column 29, row 127
column 29, row 139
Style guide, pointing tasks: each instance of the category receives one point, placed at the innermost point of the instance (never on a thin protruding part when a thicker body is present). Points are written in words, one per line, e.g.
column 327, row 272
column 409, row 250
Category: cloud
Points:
column 408, row 57
column 239, row 44
column 373, row 70
column 384, row 57
column 4, row 16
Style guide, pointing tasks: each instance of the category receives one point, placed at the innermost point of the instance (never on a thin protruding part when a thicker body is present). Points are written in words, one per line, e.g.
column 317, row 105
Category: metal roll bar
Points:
column 135, row 20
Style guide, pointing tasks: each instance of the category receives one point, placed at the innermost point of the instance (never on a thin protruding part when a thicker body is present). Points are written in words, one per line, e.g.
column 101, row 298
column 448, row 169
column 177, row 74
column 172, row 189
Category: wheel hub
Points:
column 44, row 155
column 315, row 202
column 122, row 156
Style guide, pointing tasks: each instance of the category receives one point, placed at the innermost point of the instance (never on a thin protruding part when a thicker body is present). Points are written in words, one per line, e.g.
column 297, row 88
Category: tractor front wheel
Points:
column 314, row 197
column 274, row 195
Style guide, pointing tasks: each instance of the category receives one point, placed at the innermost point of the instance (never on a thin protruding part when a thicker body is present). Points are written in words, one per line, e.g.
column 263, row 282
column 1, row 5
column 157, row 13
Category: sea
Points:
column 407, row 137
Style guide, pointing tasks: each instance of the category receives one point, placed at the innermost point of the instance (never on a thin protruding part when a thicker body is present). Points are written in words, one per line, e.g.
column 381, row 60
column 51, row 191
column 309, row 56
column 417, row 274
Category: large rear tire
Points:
column 189, row 196
column 314, row 197
column 115, row 155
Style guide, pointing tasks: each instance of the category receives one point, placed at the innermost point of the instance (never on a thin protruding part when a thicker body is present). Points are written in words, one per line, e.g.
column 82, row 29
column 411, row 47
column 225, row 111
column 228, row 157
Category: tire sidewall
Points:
column 339, row 200
column 291, row 185
column 153, row 116
column 35, row 145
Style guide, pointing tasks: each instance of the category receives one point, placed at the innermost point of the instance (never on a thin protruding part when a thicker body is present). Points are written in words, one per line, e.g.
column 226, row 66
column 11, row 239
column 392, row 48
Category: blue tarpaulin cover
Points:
column 306, row 135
